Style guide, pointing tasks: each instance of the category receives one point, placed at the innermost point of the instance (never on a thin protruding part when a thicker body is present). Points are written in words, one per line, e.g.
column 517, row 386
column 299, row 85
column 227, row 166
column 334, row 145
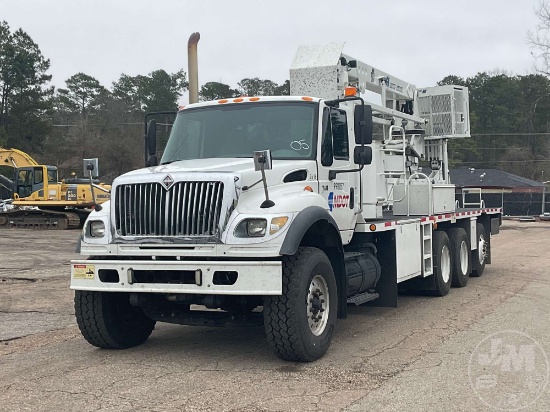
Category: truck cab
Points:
column 33, row 181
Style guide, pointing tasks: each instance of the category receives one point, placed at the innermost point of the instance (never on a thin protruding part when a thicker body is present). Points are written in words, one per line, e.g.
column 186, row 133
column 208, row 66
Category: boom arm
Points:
column 15, row 158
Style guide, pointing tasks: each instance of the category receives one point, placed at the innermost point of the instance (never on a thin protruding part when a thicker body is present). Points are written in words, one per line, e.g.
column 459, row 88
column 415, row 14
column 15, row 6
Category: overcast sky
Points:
column 419, row 41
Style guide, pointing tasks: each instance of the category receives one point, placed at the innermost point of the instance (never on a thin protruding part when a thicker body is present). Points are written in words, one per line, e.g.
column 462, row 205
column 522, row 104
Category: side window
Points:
column 38, row 176
column 340, row 134
column 326, row 146
column 24, row 178
column 52, row 176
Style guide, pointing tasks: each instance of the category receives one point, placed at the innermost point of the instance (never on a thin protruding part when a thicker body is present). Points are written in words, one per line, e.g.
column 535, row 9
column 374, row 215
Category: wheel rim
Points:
column 481, row 249
column 445, row 263
column 317, row 305
column 464, row 252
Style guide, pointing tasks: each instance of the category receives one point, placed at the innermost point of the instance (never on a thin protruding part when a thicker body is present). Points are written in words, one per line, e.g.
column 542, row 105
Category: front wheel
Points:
column 107, row 320
column 300, row 323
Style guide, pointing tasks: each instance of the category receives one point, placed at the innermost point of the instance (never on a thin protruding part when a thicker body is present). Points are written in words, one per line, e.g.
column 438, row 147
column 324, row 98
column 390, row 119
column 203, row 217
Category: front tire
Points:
column 300, row 323
column 441, row 253
column 107, row 320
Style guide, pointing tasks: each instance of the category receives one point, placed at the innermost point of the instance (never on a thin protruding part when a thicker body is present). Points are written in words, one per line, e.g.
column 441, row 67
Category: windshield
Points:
column 236, row 130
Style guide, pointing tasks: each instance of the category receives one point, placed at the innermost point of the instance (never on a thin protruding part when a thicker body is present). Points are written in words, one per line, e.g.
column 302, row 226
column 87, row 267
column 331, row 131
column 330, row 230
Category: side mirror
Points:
column 262, row 158
column 152, row 137
column 362, row 155
column 363, row 124
column 152, row 143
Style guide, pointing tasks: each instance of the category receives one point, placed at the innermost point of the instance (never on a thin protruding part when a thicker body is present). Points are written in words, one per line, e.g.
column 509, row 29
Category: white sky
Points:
column 419, row 41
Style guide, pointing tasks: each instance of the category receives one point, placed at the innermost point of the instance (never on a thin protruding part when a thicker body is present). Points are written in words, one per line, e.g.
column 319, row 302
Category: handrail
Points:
column 430, row 194
column 476, row 190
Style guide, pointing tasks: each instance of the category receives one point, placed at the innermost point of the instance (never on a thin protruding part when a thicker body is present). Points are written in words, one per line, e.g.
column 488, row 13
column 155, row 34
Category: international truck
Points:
column 284, row 211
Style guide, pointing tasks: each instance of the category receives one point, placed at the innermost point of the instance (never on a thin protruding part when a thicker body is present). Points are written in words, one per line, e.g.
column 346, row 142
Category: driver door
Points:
column 340, row 191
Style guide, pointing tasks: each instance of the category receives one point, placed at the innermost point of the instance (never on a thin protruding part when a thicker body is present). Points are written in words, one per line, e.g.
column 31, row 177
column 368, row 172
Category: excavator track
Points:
column 39, row 219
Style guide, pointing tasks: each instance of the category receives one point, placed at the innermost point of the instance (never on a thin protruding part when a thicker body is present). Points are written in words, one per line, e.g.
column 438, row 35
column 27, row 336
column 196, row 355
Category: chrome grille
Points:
column 186, row 209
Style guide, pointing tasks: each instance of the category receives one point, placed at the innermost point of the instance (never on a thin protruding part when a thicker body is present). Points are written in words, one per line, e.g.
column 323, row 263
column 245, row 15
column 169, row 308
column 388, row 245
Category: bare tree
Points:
column 539, row 39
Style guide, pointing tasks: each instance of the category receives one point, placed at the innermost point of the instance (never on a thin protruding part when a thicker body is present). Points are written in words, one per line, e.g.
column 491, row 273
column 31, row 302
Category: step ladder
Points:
column 427, row 261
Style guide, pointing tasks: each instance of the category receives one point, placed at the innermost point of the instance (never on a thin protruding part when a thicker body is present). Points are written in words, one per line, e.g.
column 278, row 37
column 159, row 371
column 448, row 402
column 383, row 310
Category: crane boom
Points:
column 15, row 158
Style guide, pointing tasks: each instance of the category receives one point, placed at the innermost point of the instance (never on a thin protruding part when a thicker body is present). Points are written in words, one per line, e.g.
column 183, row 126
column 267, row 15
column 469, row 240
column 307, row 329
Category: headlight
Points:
column 251, row 228
column 97, row 228
column 257, row 227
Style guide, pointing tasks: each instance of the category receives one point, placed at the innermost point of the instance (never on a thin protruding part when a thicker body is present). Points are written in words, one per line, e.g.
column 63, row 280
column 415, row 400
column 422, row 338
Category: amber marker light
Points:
column 238, row 100
column 254, row 99
column 350, row 91
column 222, row 101
column 372, row 228
column 277, row 224
column 307, row 99
column 308, row 188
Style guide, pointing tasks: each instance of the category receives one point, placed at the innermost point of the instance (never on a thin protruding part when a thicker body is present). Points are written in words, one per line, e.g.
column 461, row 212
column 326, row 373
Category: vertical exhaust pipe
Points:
column 193, row 67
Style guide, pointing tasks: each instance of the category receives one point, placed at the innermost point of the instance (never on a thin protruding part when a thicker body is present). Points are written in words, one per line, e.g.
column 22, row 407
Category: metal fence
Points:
column 513, row 204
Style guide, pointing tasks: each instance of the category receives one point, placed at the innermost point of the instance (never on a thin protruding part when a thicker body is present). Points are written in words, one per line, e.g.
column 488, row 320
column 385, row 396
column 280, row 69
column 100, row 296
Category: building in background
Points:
column 517, row 195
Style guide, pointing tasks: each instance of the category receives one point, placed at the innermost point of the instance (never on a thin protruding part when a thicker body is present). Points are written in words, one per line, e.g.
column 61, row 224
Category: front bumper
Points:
column 253, row 277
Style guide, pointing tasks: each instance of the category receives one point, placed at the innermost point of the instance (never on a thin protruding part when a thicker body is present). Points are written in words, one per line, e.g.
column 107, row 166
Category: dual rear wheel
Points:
column 453, row 259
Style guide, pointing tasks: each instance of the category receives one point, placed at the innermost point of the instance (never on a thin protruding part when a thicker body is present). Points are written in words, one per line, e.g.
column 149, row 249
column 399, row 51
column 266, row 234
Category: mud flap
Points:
column 387, row 285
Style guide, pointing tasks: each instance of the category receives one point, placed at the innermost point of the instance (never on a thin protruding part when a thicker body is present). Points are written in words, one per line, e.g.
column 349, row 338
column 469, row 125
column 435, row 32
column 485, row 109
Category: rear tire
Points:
column 107, row 320
column 300, row 323
column 441, row 253
column 460, row 256
column 479, row 255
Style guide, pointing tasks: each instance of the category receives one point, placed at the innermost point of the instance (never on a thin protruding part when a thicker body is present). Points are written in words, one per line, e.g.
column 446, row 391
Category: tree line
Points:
column 509, row 114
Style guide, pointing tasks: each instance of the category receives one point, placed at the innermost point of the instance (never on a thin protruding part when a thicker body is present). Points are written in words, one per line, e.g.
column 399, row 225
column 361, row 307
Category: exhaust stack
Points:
column 193, row 67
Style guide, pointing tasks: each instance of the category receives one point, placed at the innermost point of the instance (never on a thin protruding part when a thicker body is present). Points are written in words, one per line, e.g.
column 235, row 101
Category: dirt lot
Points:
column 417, row 357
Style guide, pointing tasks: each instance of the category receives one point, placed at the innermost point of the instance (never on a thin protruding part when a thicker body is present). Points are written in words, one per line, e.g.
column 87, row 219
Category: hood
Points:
column 242, row 167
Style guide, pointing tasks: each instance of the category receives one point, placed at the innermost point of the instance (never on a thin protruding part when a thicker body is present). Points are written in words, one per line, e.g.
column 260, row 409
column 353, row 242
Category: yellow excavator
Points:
column 40, row 200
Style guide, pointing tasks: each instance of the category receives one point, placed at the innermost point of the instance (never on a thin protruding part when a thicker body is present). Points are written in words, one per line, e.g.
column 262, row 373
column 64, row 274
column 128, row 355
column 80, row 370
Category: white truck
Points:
column 284, row 210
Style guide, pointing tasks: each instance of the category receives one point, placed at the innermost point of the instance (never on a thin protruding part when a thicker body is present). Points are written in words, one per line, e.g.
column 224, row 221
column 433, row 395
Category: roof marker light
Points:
column 350, row 91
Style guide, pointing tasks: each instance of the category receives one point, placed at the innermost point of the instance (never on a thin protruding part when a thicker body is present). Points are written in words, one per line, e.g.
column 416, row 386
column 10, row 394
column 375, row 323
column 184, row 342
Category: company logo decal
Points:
column 167, row 182
column 337, row 201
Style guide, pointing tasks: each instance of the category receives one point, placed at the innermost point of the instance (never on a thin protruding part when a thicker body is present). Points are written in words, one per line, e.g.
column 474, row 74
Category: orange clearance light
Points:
column 372, row 228
column 254, row 99
column 350, row 91
column 222, row 101
column 238, row 100
column 308, row 188
column 306, row 98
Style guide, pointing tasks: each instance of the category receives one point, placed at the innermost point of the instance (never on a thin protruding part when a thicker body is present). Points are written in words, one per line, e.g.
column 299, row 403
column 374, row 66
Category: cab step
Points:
column 363, row 298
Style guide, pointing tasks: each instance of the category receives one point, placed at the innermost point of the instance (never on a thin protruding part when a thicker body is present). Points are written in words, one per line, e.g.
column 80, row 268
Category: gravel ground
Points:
column 421, row 356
